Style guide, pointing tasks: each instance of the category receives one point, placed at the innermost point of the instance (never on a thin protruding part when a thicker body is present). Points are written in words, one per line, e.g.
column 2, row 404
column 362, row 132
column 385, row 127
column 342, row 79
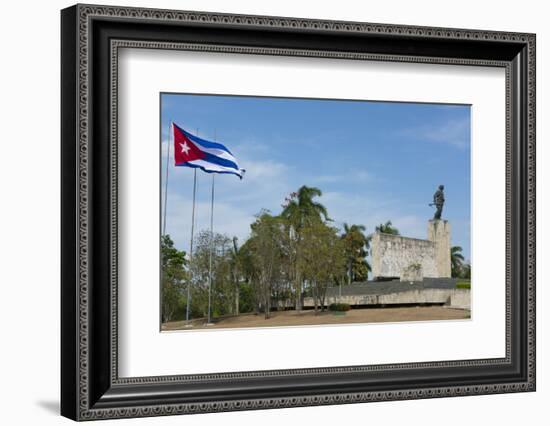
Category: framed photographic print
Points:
column 263, row 212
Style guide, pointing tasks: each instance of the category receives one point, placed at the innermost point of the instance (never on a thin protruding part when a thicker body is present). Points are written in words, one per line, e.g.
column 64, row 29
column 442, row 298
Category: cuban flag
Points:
column 211, row 157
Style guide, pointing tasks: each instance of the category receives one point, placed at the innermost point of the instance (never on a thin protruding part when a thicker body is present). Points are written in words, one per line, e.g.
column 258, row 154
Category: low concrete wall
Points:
column 455, row 298
column 461, row 299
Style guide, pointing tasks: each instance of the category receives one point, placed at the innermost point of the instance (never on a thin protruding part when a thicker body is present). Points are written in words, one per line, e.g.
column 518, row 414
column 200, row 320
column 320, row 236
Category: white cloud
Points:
column 453, row 132
column 361, row 210
column 260, row 171
column 228, row 219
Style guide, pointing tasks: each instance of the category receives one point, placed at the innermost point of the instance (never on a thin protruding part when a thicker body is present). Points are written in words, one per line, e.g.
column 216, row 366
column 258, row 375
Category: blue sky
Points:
column 374, row 161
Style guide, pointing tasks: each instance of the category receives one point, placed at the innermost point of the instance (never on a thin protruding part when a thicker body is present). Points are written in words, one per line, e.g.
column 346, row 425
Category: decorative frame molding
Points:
column 91, row 37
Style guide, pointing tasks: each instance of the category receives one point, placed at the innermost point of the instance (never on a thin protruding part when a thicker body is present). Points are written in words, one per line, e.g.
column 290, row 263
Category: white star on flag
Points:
column 185, row 148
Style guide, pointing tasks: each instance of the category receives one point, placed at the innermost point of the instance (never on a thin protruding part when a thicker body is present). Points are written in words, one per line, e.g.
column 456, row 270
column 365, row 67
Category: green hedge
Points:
column 339, row 307
column 463, row 284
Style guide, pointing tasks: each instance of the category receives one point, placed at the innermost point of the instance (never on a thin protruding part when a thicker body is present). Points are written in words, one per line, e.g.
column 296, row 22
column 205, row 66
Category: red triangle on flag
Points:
column 184, row 149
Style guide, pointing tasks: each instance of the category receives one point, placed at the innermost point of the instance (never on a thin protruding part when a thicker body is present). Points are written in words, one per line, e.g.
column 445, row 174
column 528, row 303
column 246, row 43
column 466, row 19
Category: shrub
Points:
column 339, row 307
column 463, row 284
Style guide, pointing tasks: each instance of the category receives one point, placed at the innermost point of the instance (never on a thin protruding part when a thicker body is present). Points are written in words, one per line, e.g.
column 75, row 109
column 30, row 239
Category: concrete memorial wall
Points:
column 411, row 259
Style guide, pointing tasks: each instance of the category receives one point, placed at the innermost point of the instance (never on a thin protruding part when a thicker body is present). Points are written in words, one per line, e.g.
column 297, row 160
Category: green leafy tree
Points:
column 356, row 245
column 174, row 276
column 249, row 301
column 222, row 290
column 323, row 259
column 456, row 261
column 265, row 245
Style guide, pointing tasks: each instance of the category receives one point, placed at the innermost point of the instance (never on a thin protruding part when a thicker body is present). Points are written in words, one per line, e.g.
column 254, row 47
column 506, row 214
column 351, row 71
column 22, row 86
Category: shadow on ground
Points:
column 50, row 406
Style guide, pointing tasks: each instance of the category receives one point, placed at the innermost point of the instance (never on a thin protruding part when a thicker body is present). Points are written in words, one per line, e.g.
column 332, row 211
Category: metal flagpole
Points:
column 191, row 245
column 166, row 177
column 165, row 204
column 211, row 249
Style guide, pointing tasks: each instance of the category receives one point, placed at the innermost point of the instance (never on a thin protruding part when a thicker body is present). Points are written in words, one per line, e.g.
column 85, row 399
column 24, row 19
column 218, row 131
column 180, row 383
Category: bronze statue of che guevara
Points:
column 439, row 200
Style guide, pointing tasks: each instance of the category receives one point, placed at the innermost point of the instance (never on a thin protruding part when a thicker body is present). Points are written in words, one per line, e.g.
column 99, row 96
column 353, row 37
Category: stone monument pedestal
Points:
column 439, row 231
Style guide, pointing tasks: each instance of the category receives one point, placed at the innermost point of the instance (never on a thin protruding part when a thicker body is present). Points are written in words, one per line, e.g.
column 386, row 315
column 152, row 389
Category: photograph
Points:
column 285, row 212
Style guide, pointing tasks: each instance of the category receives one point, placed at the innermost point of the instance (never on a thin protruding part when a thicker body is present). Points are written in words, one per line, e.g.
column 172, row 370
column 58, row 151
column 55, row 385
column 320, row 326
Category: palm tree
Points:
column 387, row 228
column 466, row 271
column 456, row 261
column 356, row 244
column 299, row 210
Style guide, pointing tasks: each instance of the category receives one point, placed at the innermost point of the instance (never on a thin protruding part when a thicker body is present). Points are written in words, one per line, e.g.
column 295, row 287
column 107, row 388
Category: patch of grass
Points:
column 464, row 284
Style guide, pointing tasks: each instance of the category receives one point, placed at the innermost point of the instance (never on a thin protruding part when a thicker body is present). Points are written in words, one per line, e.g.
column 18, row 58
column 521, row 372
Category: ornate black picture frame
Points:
column 91, row 36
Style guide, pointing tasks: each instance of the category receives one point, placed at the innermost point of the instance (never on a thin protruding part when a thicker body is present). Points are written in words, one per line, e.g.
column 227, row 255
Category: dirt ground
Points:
column 354, row 316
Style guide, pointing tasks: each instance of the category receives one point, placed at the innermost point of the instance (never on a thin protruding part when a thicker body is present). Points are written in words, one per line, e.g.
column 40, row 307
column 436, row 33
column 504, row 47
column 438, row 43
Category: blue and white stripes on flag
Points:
column 211, row 157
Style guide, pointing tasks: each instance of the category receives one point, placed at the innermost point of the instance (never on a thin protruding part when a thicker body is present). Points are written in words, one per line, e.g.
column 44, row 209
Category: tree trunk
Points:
column 298, row 293
column 237, row 299
column 322, row 299
column 315, row 298
column 267, row 305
